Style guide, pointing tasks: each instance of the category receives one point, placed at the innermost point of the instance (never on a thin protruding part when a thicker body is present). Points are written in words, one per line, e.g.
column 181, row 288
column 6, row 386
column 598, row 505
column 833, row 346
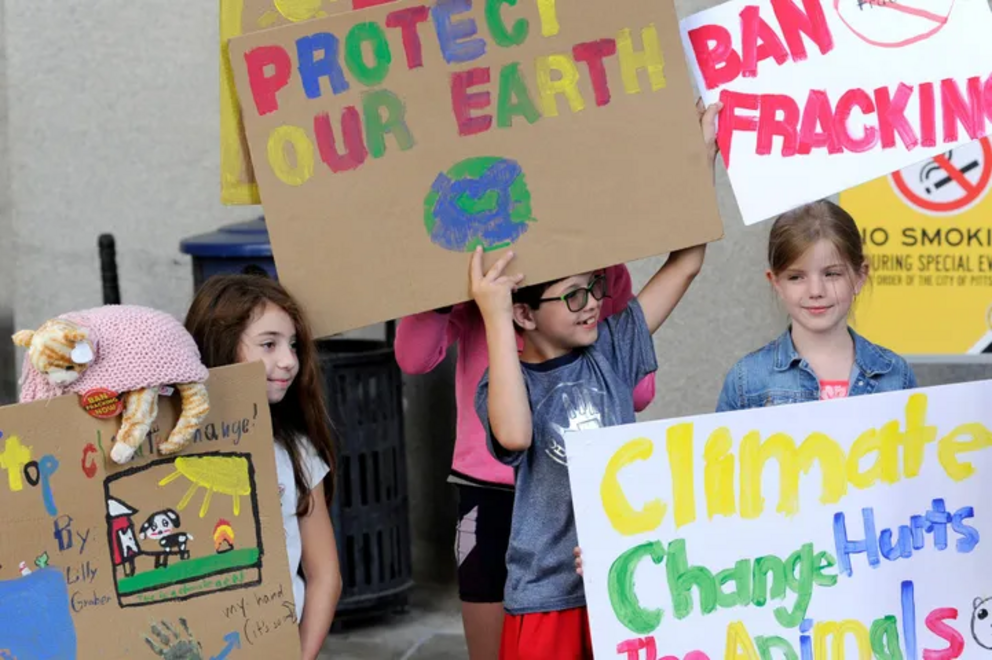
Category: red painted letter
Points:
column 263, row 87
column 892, row 117
column 970, row 113
column 988, row 97
column 936, row 625
column 464, row 102
column 795, row 21
column 593, row 53
column 755, row 29
column 818, row 114
column 632, row 647
column 89, row 467
column 719, row 62
column 730, row 121
column 855, row 98
column 362, row 4
column 928, row 116
column 351, row 134
column 770, row 125
column 407, row 21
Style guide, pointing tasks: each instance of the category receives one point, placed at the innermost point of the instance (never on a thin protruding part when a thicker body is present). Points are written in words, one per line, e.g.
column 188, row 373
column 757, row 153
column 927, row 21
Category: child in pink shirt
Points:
column 485, row 486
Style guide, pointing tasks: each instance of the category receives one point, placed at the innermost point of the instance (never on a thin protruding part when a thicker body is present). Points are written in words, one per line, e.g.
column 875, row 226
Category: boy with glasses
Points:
column 573, row 373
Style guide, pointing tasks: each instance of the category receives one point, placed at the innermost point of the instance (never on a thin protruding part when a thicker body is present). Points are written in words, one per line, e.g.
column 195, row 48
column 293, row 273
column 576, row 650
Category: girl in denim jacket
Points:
column 816, row 266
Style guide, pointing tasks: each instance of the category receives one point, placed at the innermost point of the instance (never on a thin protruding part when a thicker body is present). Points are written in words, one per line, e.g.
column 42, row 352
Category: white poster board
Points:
column 822, row 95
column 694, row 548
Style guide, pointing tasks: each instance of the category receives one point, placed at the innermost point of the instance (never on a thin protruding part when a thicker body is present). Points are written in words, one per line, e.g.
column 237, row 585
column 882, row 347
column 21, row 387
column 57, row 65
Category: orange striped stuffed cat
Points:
column 119, row 351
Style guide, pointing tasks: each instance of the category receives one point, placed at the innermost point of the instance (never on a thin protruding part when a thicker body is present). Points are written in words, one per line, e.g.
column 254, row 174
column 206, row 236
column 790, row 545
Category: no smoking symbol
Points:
column 947, row 184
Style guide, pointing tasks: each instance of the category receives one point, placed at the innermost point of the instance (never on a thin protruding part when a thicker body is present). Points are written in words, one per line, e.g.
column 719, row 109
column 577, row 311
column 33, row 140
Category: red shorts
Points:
column 560, row 635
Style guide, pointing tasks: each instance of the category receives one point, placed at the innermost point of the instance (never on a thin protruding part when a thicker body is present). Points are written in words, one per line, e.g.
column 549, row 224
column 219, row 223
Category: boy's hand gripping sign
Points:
column 389, row 142
column 853, row 528
column 822, row 95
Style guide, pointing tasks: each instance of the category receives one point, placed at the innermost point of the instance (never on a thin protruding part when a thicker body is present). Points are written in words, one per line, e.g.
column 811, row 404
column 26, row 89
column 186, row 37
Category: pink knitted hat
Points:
column 136, row 348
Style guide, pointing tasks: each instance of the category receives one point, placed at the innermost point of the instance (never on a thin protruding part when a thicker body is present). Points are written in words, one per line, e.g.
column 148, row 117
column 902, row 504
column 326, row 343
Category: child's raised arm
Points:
column 509, row 409
column 663, row 292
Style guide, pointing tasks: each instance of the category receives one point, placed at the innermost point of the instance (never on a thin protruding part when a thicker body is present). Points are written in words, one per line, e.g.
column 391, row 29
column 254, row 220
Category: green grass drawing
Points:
column 187, row 570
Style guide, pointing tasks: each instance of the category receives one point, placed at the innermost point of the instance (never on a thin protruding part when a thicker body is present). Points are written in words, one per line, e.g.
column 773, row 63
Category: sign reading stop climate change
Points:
column 822, row 95
column 389, row 142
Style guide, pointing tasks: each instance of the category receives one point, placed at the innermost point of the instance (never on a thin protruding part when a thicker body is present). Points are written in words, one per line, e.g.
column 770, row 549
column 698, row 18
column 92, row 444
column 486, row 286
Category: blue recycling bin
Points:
column 364, row 392
column 242, row 247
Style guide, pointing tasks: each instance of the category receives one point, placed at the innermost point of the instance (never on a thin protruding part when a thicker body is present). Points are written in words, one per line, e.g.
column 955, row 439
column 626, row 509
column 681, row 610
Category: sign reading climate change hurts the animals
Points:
column 180, row 557
column 389, row 142
column 822, row 95
column 850, row 528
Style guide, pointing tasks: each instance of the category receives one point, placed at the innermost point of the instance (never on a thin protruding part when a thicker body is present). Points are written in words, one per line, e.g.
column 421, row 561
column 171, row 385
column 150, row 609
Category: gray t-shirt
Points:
column 587, row 388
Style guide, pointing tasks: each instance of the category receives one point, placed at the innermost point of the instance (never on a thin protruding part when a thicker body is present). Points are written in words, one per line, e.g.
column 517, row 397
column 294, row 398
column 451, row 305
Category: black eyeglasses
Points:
column 577, row 299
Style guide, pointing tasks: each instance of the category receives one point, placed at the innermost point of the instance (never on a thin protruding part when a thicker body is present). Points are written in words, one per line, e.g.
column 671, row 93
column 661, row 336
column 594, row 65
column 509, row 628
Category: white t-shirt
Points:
column 316, row 469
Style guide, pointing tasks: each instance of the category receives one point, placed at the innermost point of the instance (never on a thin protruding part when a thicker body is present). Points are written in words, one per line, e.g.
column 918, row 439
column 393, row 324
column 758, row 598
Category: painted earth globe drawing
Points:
column 478, row 201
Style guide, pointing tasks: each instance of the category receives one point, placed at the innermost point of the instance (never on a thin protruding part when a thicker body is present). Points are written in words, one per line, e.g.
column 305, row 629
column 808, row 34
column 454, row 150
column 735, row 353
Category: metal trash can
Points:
column 364, row 393
column 371, row 507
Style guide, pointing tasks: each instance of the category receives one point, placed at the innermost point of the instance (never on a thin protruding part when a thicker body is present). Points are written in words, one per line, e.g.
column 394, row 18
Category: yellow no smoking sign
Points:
column 928, row 233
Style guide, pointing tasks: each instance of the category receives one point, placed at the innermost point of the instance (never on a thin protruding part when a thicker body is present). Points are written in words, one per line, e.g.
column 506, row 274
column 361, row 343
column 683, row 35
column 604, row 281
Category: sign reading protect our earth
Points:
column 389, row 142
column 927, row 230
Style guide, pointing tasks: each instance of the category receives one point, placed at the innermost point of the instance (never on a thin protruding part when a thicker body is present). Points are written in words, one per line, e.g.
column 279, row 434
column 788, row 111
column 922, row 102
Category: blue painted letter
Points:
column 846, row 547
column 312, row 70
column 452, row 35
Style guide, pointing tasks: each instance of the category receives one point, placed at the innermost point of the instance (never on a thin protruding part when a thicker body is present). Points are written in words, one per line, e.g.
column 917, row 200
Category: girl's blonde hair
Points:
column 796, row 231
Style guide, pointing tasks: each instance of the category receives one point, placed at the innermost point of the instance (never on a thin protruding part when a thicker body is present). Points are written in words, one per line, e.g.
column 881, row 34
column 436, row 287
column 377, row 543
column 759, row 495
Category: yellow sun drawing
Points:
column 227, row 475
column 292, row 10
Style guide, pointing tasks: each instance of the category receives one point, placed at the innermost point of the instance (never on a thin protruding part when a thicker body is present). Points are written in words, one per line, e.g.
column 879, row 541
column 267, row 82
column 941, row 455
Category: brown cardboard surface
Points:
column 608, row 184
column 78, row 601
column 239, row 17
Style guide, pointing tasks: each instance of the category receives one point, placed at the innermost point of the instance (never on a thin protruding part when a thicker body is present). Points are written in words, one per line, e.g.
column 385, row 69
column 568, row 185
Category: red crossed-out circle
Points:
column 930, row 19
column 970, row 191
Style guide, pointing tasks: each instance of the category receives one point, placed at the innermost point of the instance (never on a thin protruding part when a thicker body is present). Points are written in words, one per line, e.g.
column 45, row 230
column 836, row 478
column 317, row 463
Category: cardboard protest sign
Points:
column 929, row 242
column 792, row 531
column 176, row 557
column 822, row 95
column 239, row 17
column 389, row 142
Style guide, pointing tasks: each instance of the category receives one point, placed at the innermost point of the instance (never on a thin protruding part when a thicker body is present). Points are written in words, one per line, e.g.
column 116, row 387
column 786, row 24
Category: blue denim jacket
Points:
column 777, row 374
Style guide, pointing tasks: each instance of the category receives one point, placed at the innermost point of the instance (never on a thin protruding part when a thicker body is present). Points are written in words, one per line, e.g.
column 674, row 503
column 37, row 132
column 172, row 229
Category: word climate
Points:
column 873, row 459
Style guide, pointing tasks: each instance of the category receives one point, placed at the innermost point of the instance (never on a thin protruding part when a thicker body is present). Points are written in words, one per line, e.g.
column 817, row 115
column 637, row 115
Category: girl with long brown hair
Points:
column 248, row 318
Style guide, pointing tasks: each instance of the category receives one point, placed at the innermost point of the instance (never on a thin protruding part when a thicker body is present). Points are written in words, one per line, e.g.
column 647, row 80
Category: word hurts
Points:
column 909, row 538
column 880, row 448
column 362, row 128
column 821, row 123
column 16, row 460
column 828, row 640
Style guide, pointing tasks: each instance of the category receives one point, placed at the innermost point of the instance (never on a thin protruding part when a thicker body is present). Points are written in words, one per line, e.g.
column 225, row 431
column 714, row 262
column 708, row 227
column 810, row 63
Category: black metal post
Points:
column 108, row 270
